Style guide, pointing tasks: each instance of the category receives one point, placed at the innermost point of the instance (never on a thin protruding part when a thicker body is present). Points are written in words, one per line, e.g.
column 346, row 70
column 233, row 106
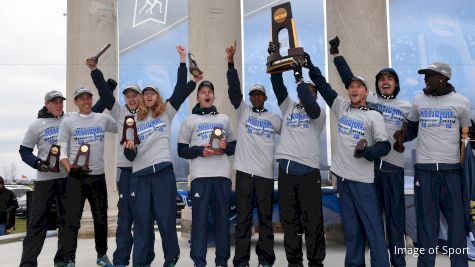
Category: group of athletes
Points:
column 368, row 170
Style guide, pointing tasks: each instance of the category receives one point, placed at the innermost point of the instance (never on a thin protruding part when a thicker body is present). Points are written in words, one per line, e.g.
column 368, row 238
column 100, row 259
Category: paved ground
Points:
column 10, row 254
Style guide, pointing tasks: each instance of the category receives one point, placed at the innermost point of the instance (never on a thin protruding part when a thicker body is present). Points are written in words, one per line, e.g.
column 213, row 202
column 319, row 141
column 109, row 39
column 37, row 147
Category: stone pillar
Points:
column 362, row 28
column 90, row 26
column 212, row 26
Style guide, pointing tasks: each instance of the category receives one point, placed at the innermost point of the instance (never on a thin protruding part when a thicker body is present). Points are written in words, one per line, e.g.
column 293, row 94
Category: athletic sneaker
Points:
column 104, row 261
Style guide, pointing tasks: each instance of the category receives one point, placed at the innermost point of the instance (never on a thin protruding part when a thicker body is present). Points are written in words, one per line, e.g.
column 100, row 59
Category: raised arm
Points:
column 308, row 101
column 340, row 63
column 328, row 94
column 182, row 90
column 279, row 88
column 343, row 69
column 106, row 97
column 234, row 85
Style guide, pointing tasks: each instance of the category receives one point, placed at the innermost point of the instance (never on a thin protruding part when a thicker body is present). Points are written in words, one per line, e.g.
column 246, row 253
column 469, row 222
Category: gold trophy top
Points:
column 129, row 122
column 217, row 132
column 84, row 148
column 54, row 150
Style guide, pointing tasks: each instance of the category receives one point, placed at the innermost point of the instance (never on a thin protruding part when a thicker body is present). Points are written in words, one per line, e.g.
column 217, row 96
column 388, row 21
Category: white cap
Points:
column 80, row 91
column 257, row 87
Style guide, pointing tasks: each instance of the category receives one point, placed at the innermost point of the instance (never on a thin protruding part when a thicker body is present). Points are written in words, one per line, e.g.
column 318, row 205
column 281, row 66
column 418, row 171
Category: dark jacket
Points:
column 8, row 204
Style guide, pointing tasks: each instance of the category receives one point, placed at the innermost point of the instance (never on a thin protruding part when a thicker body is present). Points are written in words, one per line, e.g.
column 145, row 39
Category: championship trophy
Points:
column 129, row 124
column 84, row 150
column 96, row 57
column 216, row 136
column 53, row 157
column 399, row 144
column 282, row 19
column 360, row 147
column 194, row 70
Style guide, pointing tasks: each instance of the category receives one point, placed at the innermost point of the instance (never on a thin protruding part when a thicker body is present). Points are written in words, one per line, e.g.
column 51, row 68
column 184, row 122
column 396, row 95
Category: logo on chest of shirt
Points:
column 392, row 115
column 50, row 135
column 298, row 120
column 203, row 131
column 260, row 127
column 144, row 130
column 434, row 117
column 351, row 127
column 89, row 135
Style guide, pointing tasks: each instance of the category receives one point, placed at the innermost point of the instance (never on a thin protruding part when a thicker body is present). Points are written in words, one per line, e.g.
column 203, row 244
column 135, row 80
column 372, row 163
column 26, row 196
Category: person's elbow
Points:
column 378, row 150
column 187, row 152
column 385, row 148
column 230, row 148
column 314, row 113
column 181, row 149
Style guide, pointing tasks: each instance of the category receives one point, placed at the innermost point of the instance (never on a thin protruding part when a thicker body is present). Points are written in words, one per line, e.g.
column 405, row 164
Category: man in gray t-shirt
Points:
column 436, row 118
column 254, row 165
column 50, row 177
column 361, row 138
column 207, row 139
column 77, row 131
column 389, row 170
column 298, row 156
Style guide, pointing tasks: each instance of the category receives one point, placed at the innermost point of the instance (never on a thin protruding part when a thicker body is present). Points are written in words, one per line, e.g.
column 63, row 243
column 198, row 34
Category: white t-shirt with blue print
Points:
column 394, row 112
column 196, row 130
column 300, row 135
column 440, row 119
column 119, row 112
column 256, row 141
column 354, row 125
column 43, row 133
column 78, row 129
column 154, row 135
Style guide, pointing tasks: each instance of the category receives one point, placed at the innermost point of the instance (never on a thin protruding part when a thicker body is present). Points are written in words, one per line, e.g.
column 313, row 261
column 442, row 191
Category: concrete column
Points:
column 212, row 26
column 362, row 28
column 91, row 25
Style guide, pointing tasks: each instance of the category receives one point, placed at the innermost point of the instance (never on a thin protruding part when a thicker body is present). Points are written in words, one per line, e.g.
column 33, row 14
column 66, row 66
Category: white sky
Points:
column 32, row 62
